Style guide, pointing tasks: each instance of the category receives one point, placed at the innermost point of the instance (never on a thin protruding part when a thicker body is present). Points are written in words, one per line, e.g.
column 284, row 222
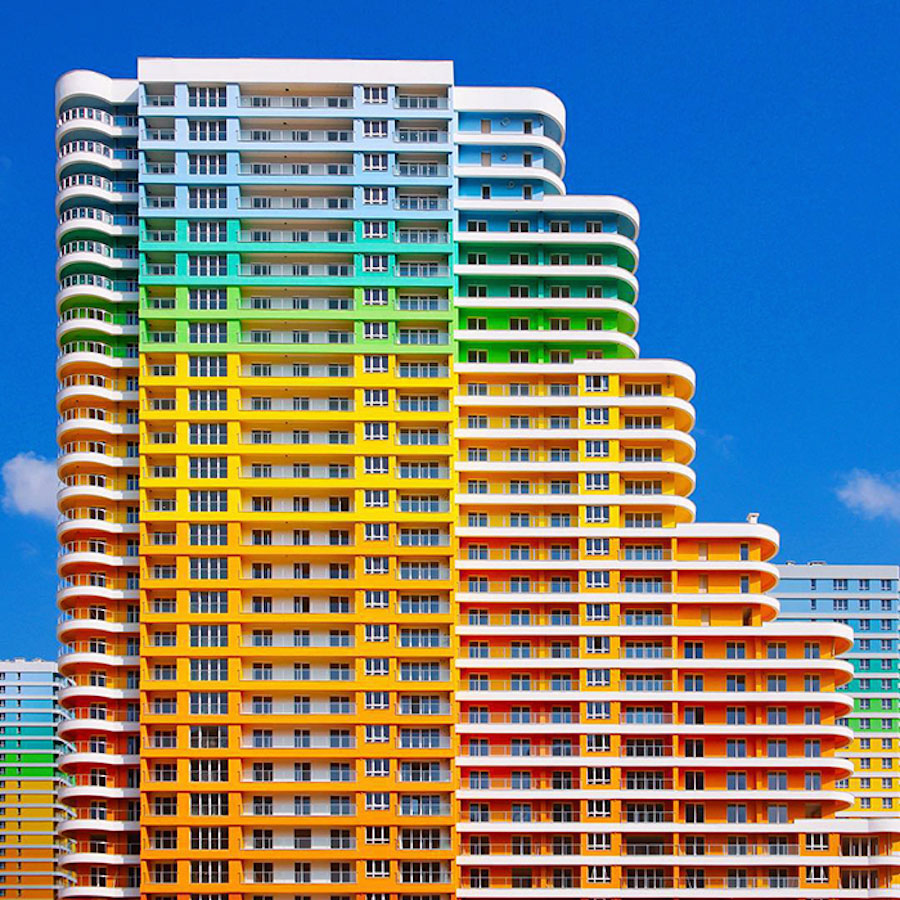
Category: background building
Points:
column 30, row 808
column 866, row 599
column 423, row 608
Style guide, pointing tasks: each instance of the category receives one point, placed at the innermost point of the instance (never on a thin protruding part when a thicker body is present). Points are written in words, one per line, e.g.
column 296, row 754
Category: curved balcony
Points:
column 556, row 239
column 88, row 692
column 93, row 552
column 92, row 284
column 92, row 118
column 93, row 720
column 114, row 820
column 91, row 355
column 549, row 336
column 114, row 888
column 104, row 192
column 72, row 223
column 94, row 152
column 75, row 491
column 514, row 140
column 98, row 454
column 682, row 477
column 95, row 320
column 78, row 856
column 83, row 519
column 560, row 204
column 623, row 309
column 113, row 586
column 90, row 387
column 86, row 653
column 546, row 270
column 84, row 752
column 93, row 418
column 508, row 428
column 89, row 255
column 499, row 395
column 682, row 376
column 509, row 171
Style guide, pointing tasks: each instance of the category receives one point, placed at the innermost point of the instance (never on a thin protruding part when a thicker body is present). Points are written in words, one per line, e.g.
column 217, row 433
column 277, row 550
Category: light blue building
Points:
column 866, row 599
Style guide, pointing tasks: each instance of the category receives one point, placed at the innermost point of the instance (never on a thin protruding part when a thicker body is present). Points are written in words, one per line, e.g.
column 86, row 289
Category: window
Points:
column 209, row 567
column 207, row 198
column 206, row 96
column 375, row 331
column 375, row 162
column 208, row 434
column 208, row 501
column 375, row 262
column 209, row 602
column 207, row 400
column 375, row 230
column 375, row 128
column 208, row 467
column 375, row 94
column 207, row 164
column 207, row 298
column 209, row 670
column 209, row 635
column 207, row 130
column 208, row 367
column 208, row 703
column 208, row 332
column 207, row 232
column 208, row 535
column 375, row 196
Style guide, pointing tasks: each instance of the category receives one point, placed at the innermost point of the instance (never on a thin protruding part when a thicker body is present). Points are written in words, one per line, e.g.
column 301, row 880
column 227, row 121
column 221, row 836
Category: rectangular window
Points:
column 207, row 198
column 208, row 333
column 207, row 232
column 375, row 94
column 375, row 162
column 208, row 467
column 375, row 128
column 206, row 96
column 207, row 129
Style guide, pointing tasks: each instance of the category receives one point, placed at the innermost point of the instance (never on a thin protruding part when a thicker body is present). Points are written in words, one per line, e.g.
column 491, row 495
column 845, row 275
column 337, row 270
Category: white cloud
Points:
column 871, row 496
column 31, row 485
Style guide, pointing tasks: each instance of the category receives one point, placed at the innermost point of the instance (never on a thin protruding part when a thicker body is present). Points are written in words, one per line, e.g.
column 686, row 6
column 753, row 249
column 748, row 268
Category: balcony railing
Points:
column 254, row 168
column 295, row 136
column 296, row 270
column 423, row 236
column 262, row 101
column 421, row 203
column 421, row 170
column 420, row 101
column 259, row 236
column 295, row 202
column 421, row 270
column 420, row 136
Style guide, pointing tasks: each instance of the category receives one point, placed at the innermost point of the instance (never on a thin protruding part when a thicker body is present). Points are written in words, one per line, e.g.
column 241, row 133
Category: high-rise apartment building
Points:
column 373, row 509
column 31, row 790
column 867, row 599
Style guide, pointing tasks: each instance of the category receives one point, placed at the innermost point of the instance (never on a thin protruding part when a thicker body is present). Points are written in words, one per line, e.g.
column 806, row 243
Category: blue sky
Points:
column 760, row 142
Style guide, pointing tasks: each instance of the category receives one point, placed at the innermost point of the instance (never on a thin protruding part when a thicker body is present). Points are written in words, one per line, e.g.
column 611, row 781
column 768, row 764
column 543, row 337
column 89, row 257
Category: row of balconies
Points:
column 258, row 164
column 310, row 101
column 658, row 879
column 110, row 152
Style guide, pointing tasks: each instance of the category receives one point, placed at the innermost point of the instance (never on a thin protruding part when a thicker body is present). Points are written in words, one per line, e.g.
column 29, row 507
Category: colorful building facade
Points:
column 377, row 522
column 31, row 789
column 867, row 600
